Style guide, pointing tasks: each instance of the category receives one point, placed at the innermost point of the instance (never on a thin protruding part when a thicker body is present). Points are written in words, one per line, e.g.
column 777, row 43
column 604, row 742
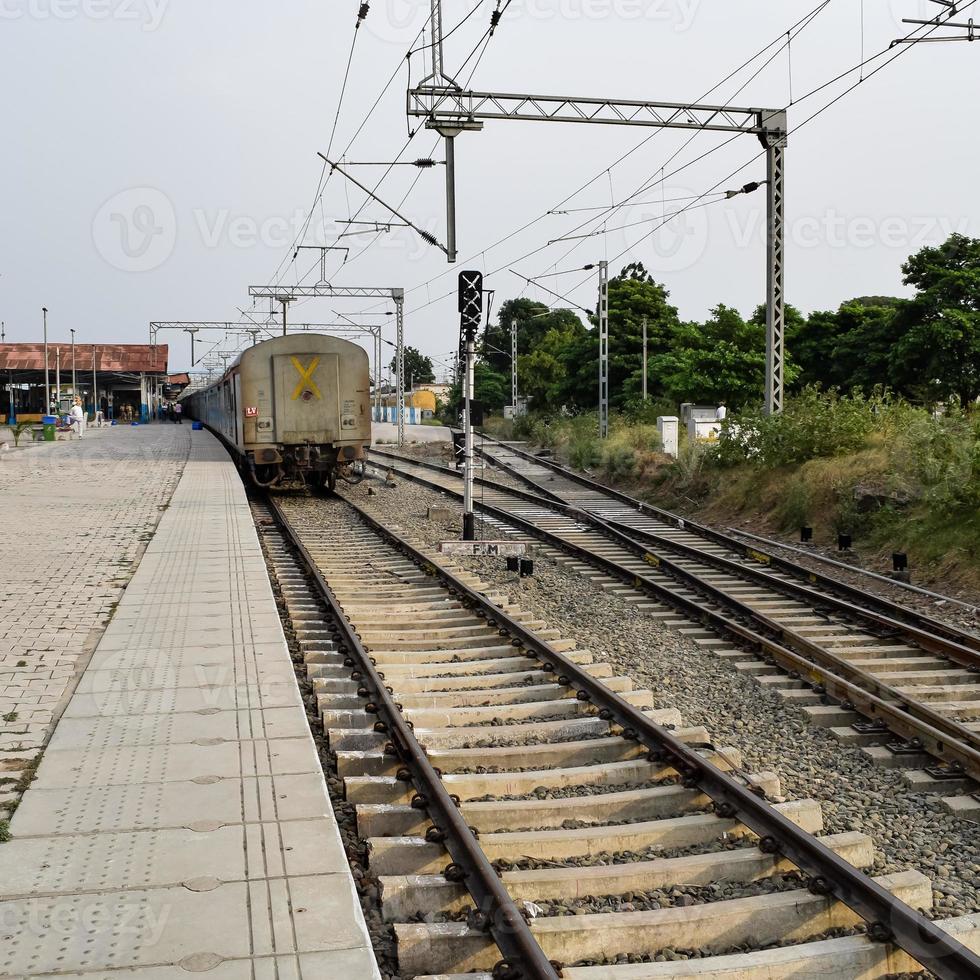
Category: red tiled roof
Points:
column 178, row 379
column 122, row 358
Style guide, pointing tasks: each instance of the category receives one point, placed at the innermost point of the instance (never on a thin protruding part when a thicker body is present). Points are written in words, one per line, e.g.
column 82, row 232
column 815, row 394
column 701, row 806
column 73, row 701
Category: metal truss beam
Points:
column 325, row 289
column 450, row 110
column 444, row 107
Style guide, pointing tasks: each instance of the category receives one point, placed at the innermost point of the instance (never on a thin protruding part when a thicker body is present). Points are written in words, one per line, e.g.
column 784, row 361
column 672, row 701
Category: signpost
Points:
column 483, row 549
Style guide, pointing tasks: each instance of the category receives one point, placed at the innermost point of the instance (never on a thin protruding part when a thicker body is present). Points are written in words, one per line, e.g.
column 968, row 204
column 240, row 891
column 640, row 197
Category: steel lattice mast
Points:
column 450, row 110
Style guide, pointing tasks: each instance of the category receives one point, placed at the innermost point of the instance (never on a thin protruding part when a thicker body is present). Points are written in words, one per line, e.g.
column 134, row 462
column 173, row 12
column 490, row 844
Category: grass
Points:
column 893, row 475
column 4, row 831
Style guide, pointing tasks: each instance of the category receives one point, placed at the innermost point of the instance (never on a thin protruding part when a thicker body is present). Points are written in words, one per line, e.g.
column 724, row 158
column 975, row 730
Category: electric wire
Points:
column 795, row 129
column 799, row 26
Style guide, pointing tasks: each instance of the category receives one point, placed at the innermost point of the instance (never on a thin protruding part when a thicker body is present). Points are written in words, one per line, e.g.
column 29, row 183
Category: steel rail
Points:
column 828, row 673
column 961, row 653
column 937, row 627
column 853, row 569
column 523, row 957
column 888, row 918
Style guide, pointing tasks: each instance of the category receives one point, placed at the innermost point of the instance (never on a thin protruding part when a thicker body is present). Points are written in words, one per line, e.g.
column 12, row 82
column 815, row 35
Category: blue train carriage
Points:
column 293, row 410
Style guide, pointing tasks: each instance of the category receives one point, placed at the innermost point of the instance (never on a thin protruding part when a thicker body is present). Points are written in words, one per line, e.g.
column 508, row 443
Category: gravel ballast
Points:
column 911, row 831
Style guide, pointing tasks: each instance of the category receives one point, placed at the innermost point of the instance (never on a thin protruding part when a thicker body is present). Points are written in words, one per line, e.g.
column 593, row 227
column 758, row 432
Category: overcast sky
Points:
column 160, row 156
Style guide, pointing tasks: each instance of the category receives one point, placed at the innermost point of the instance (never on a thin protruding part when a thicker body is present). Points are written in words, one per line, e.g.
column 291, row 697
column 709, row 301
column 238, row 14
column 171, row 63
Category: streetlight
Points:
column 47, row 375
column 74, row 382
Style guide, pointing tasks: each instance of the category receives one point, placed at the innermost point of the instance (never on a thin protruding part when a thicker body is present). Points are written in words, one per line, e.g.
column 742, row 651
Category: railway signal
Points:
column 470, row 314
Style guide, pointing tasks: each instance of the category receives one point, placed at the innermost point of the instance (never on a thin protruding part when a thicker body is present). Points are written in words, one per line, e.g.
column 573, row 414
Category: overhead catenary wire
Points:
column 388, row 168
column 795, row 129
column 864, row 62
column 325, row 176
column 797, row 27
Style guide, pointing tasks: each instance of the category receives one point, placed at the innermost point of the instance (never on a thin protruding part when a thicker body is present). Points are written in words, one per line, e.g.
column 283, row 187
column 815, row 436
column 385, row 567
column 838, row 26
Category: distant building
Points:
column 110, row 377
column 438, row 388
column 420, row 398
column 175, row 384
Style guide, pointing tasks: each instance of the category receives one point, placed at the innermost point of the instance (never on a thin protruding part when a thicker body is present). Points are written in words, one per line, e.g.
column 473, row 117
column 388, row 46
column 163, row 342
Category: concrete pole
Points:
column 603, row 349
column 47, row 376
column 513, row 364
column 57, row 378
column 644, row 358
column 74, row 380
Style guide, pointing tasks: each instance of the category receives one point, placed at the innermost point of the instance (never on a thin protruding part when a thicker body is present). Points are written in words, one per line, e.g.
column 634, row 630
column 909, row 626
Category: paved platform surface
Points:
column 74, row 519
column 179, row 822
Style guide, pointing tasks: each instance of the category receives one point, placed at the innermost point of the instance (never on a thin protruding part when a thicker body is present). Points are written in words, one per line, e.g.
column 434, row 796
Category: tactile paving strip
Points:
column 179, row 822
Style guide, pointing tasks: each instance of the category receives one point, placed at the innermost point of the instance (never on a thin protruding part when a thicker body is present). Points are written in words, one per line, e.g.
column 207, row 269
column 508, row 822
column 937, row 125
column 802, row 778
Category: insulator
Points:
column 424, row 163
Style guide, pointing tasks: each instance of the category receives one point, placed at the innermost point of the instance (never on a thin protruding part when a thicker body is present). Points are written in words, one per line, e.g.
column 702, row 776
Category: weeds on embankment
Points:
column 893, row 475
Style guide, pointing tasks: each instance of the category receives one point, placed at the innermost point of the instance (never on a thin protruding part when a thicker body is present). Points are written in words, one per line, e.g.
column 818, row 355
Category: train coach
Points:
column 293, row 410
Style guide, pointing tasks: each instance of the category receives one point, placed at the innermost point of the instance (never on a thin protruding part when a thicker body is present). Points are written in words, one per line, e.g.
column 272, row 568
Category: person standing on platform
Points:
column 77, row 416
column 179, row 412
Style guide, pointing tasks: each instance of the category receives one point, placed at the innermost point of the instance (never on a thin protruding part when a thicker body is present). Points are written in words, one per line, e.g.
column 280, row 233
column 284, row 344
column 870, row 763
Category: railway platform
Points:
column 179, row 821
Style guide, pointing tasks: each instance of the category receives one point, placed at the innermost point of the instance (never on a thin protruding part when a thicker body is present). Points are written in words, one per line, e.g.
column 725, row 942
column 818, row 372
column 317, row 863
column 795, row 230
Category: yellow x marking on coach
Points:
column 305, row 377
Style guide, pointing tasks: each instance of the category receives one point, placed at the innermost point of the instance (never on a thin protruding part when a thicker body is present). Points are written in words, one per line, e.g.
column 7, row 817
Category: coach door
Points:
column 307, row 392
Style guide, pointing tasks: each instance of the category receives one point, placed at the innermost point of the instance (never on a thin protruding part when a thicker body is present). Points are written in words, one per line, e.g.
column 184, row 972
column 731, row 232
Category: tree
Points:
column 543, row 374
column 847, row 349
column 720, row 360
column 418, row 368
column 938, row 346
column 634, row 295
column 534, row 320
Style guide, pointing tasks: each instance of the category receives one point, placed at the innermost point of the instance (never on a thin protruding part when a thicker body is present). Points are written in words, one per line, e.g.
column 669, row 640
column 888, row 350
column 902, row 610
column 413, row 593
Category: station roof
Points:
column 121, row 358
column 178, row 379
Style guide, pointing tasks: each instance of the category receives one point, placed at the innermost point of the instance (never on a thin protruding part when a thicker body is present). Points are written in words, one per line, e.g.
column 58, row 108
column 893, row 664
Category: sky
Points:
column 160, row 157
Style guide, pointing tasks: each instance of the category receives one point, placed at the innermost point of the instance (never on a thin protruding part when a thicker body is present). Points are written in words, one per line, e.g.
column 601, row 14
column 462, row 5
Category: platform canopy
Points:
column 117, row 358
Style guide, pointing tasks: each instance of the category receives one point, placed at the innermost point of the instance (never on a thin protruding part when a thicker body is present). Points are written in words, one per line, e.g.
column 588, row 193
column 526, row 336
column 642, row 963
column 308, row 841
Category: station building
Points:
column 122, row 381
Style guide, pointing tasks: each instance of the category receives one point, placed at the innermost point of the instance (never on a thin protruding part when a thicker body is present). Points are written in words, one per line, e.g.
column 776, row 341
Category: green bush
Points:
column 814, row 424
column 618, row 462
column 942, row 456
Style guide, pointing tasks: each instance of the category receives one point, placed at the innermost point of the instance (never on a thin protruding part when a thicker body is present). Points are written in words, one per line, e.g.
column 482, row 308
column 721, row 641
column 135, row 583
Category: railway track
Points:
column 902, row 686
column 529, row 814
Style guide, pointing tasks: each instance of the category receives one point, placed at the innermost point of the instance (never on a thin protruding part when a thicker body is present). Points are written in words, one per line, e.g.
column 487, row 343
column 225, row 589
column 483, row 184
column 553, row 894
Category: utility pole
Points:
column 47, row 375
column 278, row 297
column 74, row 382
column 775, row 306
column 96, row 405
column 57, row 377
column 192, row 331
column 644, row 358
column 513, row 364
column 447, row 108
column 603, row 349
column 471, row 313
column 11, row 408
